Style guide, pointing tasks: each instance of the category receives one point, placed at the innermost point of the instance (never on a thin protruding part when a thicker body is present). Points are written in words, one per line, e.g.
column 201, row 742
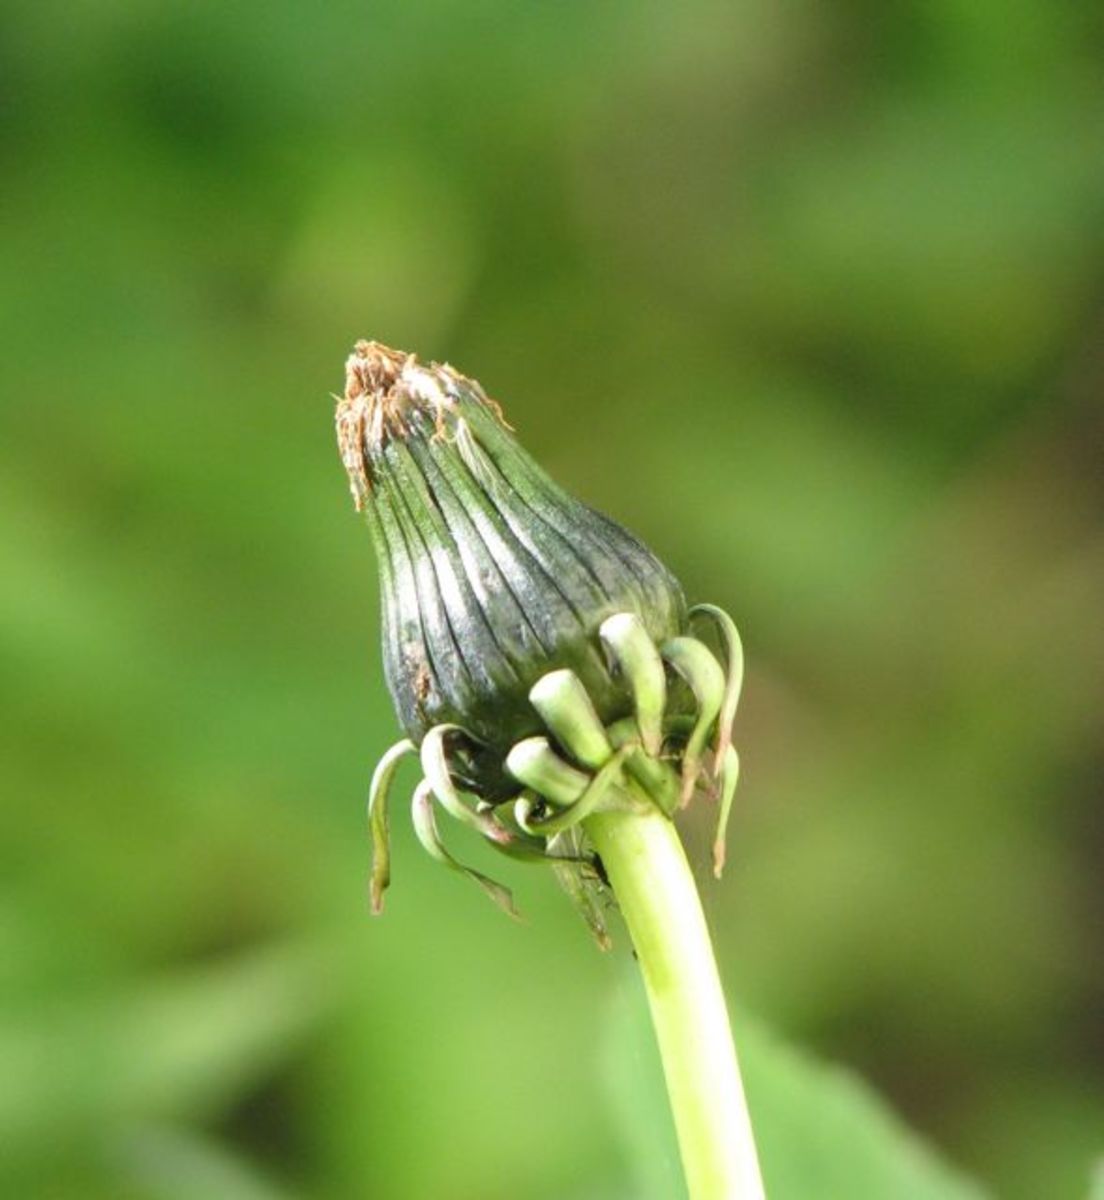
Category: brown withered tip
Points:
column 382, row 387
column 373, row 406
column 372, row 367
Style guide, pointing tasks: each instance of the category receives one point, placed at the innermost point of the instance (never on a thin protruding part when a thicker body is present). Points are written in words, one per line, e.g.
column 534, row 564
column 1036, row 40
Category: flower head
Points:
column 538, row 655
column 491, row 576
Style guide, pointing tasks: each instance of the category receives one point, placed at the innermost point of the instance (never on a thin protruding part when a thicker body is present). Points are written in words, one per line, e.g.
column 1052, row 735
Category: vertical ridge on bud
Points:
column 417, row 664
column 618, row 559
column 494, row 562
column 444, row 573
column 567, row 574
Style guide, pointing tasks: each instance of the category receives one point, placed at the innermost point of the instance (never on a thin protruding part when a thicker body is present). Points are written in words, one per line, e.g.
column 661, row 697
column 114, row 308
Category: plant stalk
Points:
column 655, row 889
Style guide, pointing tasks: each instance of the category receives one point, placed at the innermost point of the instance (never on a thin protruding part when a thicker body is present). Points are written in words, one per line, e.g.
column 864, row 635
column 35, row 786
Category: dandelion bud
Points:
column 541, row 660
column 491, row 575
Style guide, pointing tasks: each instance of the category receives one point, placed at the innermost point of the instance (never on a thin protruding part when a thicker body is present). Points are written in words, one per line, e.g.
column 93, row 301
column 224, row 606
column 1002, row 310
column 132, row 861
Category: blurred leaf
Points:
column 634, row 1081
column 173, row 1164
column 1097, row 1187
column 821, row 1131
column 184, row 1046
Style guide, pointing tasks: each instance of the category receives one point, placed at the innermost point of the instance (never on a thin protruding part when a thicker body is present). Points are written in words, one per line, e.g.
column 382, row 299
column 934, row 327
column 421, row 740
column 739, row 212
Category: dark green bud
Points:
column 491, row 575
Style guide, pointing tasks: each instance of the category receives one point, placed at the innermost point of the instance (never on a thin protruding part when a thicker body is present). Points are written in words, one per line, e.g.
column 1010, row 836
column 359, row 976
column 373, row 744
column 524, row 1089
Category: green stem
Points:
column 651, row 879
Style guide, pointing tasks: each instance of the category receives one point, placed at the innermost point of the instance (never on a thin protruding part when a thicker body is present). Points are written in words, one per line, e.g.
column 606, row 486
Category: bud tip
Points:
column 383, row 387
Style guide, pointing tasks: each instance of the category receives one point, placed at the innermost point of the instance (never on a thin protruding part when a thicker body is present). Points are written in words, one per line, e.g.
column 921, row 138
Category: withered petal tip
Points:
column 383, row 387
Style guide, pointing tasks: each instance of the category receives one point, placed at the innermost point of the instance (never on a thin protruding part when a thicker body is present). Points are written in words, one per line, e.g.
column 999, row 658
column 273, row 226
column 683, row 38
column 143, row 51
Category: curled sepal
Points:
column 435, row 765
column 378, row 791
column 734, row 673
column 597, row 791
column 656, row 777
column 521, row 847
column 695, row 663
column 569, row 714
column 533, row 762
column 729, row 774
column 425, row 826
column 634, row 653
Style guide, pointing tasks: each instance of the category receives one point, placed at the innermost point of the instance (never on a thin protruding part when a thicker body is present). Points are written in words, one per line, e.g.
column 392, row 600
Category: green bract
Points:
column 540, row 658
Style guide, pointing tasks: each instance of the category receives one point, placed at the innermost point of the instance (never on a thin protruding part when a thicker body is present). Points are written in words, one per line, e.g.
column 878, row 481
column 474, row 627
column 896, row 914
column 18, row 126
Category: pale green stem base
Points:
column 651, row 879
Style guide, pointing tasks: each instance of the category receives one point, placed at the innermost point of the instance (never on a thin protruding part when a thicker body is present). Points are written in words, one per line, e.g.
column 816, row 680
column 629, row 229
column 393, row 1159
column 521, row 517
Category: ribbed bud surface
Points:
column 491, row 575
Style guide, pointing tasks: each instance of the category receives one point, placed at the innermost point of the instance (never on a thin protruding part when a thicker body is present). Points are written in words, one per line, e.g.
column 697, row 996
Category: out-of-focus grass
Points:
column 810, row 297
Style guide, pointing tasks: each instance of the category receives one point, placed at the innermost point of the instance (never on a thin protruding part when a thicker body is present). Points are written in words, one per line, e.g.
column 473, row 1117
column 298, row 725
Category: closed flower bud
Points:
column 491, row 575
column 541, row 660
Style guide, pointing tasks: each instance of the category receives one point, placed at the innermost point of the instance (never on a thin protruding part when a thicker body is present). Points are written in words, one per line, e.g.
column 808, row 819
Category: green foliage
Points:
column 821, row 1131
column 825, row 1133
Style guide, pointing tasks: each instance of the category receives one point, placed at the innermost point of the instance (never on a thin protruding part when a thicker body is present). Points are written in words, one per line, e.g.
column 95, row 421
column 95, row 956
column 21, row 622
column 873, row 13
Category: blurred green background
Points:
column 811, row 296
